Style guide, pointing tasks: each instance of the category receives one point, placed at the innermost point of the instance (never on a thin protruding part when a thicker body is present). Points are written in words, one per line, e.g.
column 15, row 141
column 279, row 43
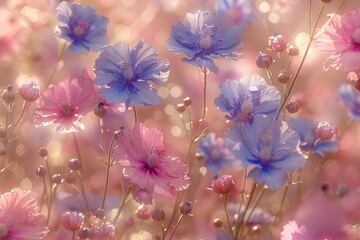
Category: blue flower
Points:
column 306, row 128
column 215, row 153
column 126, row 74
column 203, row 36
column 82, row 27
column 247, row 97
column 238, row 11
column 269, row 146
column 351, row 97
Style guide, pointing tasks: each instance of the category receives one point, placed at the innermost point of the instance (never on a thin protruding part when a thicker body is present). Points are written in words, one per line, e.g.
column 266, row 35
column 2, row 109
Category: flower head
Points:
column 267, row 145
column 29, row 91
column 341, row 38
column 66, row 103
column 306, row 129
column 351, row 98
column 247, row 97
column 82, row 27
column 126, row 73
column 146, row 163
column 203, row 36
column 215, row 153
column 19, row 216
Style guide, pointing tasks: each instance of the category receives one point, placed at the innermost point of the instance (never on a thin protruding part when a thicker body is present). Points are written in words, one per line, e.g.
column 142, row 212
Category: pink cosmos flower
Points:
column 66, row 103
column 341, row 38
column 19, row 217
column 146, row 163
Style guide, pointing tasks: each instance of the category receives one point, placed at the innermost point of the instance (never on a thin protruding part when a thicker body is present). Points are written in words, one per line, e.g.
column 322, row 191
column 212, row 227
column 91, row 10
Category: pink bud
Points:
column 264, row 60
column 29, row 91
column 72, row 221
column 277, row 43
column 222, row 184
column 9, row 94
column 325, row 130
column 143, row 213
column 185, row 208
column 158, row 214
column 292, row 106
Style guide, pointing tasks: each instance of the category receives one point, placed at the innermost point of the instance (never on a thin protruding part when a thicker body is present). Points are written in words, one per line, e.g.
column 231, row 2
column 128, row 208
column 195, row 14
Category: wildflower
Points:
column 126, row 74
column 277, row 43
column 65, row 104
column 239, row 11
column 19, row 216
column 269, row 146
column 146, row 163
column 247, row 97
column 72, row 221
column 351, row 98
column 341, row 38
column 214, row 152
column 325, row 131
column 203, row 36
column 82, row 27
column 29, row 91
column 222, row 184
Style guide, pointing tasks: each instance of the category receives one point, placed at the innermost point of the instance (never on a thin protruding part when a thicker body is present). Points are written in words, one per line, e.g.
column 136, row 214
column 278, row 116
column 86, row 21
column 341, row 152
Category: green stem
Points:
column 176, row 225
column 225, row 198
column 7, row 137
column 83, row 191
column 52, row 74
column 108, row 165
column 177, row 201
column 77, row 147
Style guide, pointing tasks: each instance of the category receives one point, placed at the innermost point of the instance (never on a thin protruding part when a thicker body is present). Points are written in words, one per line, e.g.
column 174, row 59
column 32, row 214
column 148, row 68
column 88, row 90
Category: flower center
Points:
column 215, row 154
column 265, row 154
column 79, row 30
column 356, row 35
column 247, row 106
column 205, row 37
column 3, row 230
column 65, row 108
column 152, row 160
column 127, row 70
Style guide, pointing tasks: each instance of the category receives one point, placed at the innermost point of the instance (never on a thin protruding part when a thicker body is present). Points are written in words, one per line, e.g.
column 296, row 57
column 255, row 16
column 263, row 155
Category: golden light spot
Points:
column 264, row 7
column 158, row 115
column 163, row 92
column 170, row 109
column 352, row 172
column 203, row 171
column 274, row 18
column 176, row 131
column 56, row 157
column 20, row 149
column 19, row 172
column 332, row 168
column 26, row 184
column 301, row 40
column 176, row 91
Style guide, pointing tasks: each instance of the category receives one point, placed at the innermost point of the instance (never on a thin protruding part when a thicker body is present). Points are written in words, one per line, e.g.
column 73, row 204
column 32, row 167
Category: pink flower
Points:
column 66, row 103
column 19, row 217
column 342, row 38
column 293, row 232
column 147, row 164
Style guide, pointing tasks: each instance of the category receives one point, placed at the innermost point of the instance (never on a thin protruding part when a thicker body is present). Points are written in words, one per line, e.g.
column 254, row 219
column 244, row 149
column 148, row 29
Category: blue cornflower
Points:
column 306, row 129
column 268, row 146
column 247, row 97
column 215, row 153
column 203, row 36
column 126, row 74
column 238, row 11
column 82, row 27
column 351, row 97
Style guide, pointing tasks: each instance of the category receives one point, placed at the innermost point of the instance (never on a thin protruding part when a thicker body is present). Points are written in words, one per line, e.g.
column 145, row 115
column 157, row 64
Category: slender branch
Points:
column 225, row 198
column 135, row 115
column 121, row 206
column 108, row 165
column 7, row 137
column 176, row 225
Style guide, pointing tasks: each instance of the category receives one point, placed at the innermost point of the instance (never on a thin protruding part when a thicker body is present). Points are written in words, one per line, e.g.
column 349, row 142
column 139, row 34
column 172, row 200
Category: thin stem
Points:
column 270, row 76
column 176, row 225
column 243, row 195
column 281, row 60
column 43, row 195
column 135, row 115
column 74, row 235
column 7, row 137
column 281, row 205
column 56, row 64
column 225, row 198
column 50, row 187
column 121, row 207
column 289, row 63
column 83, row 191
column 309, row 14
column 77, row 147
column 163, row 230
column 177, row 201
column 102, row 134
column 108, row 165
column 51, row 201
column 257, row 201
column 301, row 63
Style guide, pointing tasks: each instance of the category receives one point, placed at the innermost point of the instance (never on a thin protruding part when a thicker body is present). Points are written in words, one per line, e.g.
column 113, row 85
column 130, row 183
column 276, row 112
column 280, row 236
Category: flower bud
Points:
column 256, row 229
column 180, row 108
column 292, row 50
column 40, row 171
column 158, row 214
column 277, row 43
column 185, row 208
column 222, row 184
column 56, row 178
column 143, row 213
column 264, row 60
column 43, row 152
column 218, row 223
column 72, row 221
column 187, row 101
column 325, row 130
column 74, row 164
column 9, row 94
column 100, row 110
column 70, row 177
column 100, row 213
column 283, row 76
column 83, row 233
column 292, row 106
column 30, row 91
column 107, row 230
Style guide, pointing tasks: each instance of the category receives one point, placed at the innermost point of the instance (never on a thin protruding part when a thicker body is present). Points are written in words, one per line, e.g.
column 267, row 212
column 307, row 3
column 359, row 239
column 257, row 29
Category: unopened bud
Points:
column 72, row 221
column 325, row 130
column 292, row 50
column 100, row 213
column 185, row 208
column 218, row 223
column 283, row 76
column 56, row 178
column 180, row 108
column 143, row 213
column 71, row 177
column 222, row 184
column 187, row 101
column 100, row 110
column 83, row 233
column 29, row 91
column 43, row 152
column 40, row 171
column 277, row 43
column 264, row 60
column 292, row 106
column 158, row 214
column 74, row 164
column 9, row 94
